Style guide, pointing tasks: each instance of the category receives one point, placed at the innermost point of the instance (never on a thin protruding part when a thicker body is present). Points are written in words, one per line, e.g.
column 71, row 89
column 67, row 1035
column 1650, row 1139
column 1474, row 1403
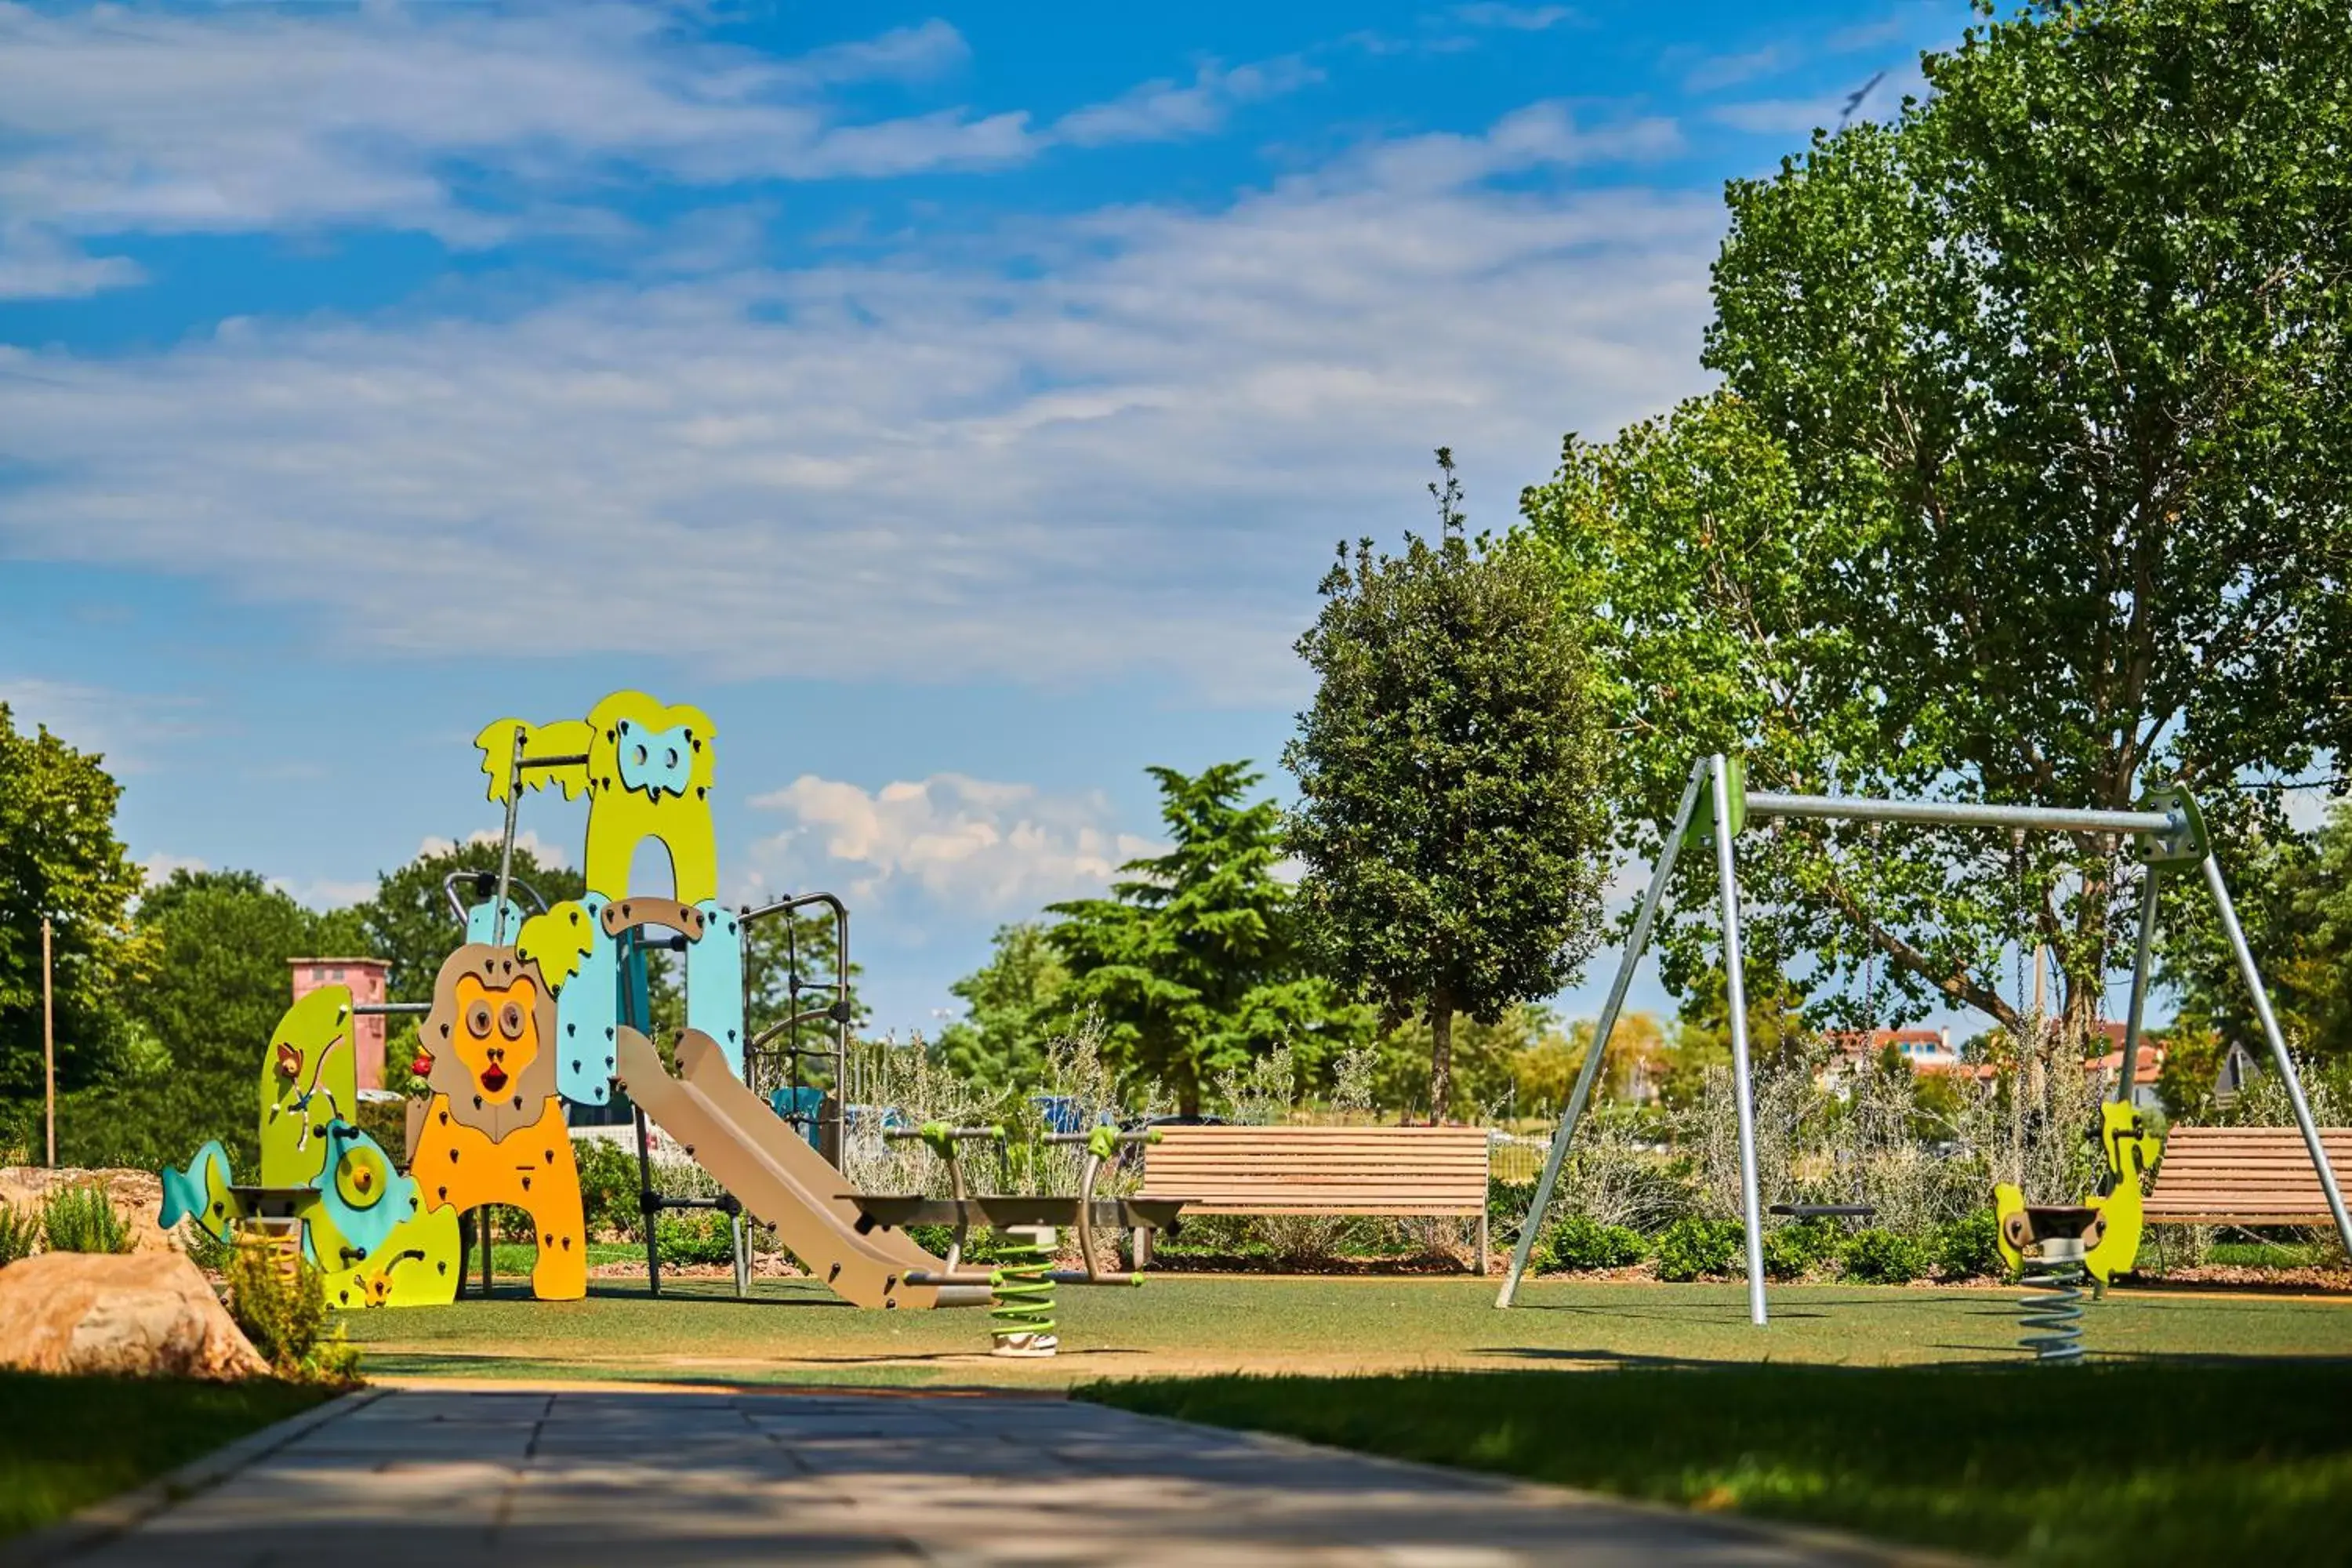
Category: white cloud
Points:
column 527, row 840
column 961, row 842
column 1728, row 71
column 324, row 892
column 1164, row 110
column 157, row 868
column 275, row 119
column 1512, row 18
column 1131, row 451
column 124, row 728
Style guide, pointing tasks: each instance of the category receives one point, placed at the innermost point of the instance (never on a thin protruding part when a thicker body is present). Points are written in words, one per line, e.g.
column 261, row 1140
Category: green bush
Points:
column 1577, row 1243
column 609, row 1185
column 1693, row 1248
column 1970, row 1247
column 207, row 1250
column 1882, row 1257
column 20, row 1233
column 81, row 1218
column 285, row 1315
column 694, row 1236
column 1791, row 1251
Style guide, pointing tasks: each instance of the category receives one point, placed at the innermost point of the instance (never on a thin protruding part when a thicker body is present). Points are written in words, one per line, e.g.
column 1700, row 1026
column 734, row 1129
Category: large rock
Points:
column 137, row 1196
column 136, row 1314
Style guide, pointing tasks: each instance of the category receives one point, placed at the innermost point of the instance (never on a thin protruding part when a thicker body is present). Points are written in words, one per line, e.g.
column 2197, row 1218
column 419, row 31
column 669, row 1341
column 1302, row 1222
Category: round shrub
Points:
column 1791, row 1251
column 1577, row 1242
column 1970, row 1247
column 1693, row 1248
column 608, row 1187
column 1882, row 1257
column 694, row 1235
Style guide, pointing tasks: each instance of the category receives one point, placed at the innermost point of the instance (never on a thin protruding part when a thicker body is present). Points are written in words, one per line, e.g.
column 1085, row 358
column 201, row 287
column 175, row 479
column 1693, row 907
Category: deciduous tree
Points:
column 59, row 859
column 1448, row 776
column 2026, row 485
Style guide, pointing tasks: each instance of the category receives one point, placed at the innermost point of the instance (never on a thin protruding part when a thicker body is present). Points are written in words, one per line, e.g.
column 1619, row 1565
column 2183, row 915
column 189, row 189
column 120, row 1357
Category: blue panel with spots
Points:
column 714, row 981
column 655, row 761
column 367, row 1213
column 481, row 918
column 586, row 1011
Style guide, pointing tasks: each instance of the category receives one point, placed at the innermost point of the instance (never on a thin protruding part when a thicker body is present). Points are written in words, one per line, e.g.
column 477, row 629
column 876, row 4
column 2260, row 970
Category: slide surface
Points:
column 776, row 1176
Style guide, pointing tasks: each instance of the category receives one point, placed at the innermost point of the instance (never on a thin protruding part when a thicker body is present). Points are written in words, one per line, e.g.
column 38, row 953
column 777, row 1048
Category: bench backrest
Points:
column 1321, row 1170
column 2246, row 1175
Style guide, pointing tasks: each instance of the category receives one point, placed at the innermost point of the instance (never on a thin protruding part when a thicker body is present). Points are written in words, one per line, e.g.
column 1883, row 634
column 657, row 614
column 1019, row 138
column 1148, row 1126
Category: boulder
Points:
column 134, row 1314
column 137, row 1195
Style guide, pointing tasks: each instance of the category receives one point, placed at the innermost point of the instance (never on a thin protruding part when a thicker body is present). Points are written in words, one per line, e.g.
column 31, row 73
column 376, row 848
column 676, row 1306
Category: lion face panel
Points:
column 492, row 1022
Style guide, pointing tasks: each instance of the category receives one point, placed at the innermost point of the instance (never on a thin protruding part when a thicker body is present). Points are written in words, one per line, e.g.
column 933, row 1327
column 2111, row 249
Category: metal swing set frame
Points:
column 2169, row 836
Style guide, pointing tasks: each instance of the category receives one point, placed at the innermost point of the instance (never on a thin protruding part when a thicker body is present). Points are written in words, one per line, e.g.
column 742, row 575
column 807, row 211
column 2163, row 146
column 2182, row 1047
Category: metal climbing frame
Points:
column 2169, row 836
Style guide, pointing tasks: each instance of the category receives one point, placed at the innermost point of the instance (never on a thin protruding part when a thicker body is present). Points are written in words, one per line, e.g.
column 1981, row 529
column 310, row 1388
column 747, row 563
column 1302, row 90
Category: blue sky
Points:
column 957, row 403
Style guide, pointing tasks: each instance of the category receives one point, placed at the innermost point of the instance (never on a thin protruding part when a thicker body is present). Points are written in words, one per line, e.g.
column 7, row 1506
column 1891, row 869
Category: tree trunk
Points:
column 1441, row 1060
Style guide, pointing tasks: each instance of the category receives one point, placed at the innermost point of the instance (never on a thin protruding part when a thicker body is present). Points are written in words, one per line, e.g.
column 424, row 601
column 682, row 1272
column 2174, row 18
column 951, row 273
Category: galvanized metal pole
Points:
column 506, row 845
column 2141, row 963
column 1634, row 943
column 48, row 1044
column 1735, row 996
column 2254, row 979
column 1960, row 814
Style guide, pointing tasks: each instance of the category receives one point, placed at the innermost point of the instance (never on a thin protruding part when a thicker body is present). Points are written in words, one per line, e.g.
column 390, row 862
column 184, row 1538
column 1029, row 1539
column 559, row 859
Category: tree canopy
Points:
column 408, row 922
column 2025, row 485
column 1011, row 1010
column 1193, row 965
column 1449, row 782
column 213, row 985
column 60, row 859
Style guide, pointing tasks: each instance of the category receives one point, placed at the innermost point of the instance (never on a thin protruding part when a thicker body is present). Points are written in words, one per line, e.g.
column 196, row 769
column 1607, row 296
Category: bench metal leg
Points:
column 1142, row 1247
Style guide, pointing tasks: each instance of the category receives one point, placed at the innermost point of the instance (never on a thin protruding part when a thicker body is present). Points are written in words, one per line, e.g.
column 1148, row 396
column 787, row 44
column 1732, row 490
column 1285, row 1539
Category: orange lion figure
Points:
column 494, row 1130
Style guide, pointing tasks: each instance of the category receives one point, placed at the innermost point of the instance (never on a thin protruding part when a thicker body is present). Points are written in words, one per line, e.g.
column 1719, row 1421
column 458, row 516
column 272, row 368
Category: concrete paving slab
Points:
column 573, row 1476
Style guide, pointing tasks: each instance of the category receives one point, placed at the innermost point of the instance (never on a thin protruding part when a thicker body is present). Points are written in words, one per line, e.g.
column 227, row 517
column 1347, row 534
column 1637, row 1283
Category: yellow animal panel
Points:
column 417, row 1266
column 310, row 1078
column 650, row 772
column 460, row 1167
column 557, row 941
column 564, row 738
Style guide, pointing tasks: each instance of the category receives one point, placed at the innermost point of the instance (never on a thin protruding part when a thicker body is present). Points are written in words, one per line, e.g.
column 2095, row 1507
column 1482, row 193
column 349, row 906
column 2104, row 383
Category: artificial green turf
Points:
column 66, row 1442
column 795, row 1330
column 2149, row 1462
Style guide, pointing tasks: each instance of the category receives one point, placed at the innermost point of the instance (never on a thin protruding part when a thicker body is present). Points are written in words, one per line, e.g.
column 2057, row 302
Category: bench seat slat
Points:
column 2245, row 1176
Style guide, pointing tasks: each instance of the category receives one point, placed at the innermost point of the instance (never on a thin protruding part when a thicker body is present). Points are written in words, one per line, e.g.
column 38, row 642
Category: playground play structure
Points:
column 2059, row 1245
column 536, row 1009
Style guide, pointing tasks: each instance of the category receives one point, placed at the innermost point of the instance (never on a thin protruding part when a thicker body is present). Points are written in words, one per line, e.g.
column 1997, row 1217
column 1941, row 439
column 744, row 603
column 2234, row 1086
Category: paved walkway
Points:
column 449, row 1479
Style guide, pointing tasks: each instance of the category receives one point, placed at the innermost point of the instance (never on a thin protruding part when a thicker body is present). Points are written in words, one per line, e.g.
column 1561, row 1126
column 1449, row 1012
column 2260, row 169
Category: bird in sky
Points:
column 1853, row 99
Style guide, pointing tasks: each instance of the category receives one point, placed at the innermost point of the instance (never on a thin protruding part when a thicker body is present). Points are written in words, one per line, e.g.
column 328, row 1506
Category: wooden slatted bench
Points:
column 2244, row 1175
column 1384, row 1171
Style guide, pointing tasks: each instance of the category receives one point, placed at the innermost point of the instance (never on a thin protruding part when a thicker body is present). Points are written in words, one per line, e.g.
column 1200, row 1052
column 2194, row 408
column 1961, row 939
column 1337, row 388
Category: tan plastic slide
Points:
column 777, row 1177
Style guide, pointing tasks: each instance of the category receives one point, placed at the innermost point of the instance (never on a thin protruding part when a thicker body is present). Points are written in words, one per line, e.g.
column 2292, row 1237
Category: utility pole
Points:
column 48, row 1044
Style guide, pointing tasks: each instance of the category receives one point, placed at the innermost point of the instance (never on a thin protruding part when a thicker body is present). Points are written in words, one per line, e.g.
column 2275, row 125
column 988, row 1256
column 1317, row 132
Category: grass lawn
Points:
column 795, row 1332
column 66, row 1442
column 2149, row 1462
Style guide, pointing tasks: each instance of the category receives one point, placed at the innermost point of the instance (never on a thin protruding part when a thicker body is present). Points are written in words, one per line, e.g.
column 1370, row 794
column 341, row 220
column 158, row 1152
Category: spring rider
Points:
column 2054, row 1248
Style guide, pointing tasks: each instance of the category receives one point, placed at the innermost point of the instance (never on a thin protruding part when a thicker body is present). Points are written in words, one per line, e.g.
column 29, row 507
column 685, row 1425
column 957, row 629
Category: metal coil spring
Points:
column 2053, row 1304
column 1023, row 1286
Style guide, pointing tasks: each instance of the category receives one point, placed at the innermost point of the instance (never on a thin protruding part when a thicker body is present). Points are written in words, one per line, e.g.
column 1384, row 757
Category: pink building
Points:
column 365, row 976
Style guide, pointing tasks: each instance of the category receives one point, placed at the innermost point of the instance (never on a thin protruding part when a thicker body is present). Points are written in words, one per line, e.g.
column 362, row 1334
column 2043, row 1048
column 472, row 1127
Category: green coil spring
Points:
column 2053, row 1304
column 1022, row 1287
